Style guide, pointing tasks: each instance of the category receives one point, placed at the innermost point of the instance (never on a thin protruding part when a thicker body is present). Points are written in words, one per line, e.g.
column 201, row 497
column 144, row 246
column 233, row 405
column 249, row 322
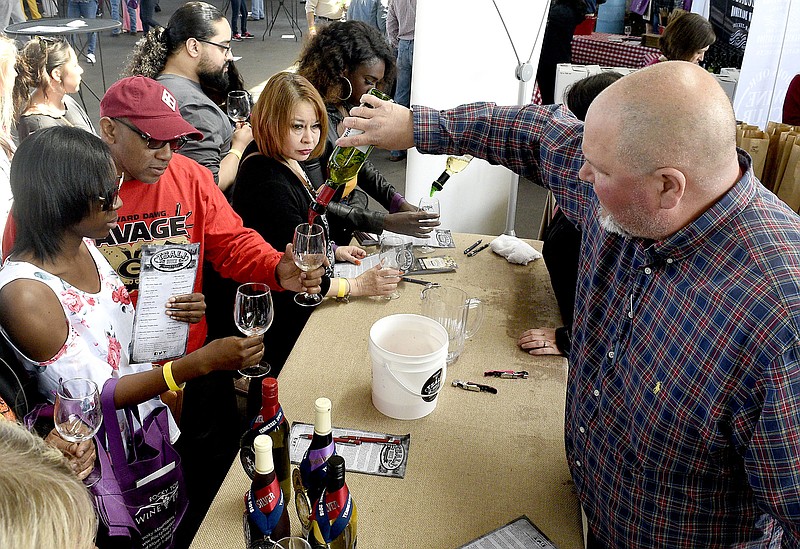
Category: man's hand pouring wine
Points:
column 386, row 125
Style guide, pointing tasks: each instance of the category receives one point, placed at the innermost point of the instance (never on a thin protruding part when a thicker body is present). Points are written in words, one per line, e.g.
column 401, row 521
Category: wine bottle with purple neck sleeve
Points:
column 308, row 479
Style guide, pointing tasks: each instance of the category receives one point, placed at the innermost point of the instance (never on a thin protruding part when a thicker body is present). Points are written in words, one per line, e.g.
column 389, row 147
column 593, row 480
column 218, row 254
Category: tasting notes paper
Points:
column 167, row 270
column 520, row 532
column 363, row 451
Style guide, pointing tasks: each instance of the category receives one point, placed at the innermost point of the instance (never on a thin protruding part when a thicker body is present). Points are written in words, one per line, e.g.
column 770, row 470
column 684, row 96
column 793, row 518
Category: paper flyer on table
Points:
column 520, row 532
column 167, row 270
column 438, row 238
column 386, row 457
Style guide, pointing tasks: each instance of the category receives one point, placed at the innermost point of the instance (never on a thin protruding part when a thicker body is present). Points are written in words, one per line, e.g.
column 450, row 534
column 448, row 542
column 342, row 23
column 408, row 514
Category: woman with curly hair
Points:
column 48, row 67
column 343, row 62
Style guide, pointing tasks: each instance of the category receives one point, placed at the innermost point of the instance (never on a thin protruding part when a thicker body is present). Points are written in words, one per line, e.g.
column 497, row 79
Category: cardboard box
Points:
column 650, row 40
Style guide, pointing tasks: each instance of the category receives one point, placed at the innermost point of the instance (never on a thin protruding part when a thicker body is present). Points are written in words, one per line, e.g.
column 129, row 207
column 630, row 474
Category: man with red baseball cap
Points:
column 170, row 198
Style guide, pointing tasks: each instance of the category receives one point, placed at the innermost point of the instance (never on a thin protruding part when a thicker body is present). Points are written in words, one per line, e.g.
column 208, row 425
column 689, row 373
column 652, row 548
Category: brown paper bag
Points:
column 774, row 130
column 742, row 127
column 785, row 142
column 756, row 144
column 789, row 188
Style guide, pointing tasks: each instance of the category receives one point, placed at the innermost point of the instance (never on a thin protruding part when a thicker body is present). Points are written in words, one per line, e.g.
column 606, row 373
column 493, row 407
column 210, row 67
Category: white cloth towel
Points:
column 514, row 249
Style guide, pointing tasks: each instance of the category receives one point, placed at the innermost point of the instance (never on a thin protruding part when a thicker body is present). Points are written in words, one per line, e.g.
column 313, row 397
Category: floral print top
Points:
column 100, row 330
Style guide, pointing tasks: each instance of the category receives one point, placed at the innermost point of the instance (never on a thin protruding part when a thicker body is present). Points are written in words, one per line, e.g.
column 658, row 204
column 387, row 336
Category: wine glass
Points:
column 430, row 205
column 238, row 106
column 309, row 254
column 78, row 415
column 627, row 30
column 253, row 313
column 393, row 255
column 292, row 543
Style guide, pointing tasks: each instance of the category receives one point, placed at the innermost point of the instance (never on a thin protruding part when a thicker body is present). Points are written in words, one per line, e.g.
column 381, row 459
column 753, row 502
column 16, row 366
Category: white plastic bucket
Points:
column 409, row 367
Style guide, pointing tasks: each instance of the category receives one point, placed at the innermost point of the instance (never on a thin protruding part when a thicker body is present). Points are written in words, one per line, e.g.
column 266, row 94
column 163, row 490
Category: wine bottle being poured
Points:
column 454, row 165
column 343, row 165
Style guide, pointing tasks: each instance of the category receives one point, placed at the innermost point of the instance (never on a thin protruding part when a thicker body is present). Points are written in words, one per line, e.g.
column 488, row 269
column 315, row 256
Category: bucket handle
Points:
column 403, row 385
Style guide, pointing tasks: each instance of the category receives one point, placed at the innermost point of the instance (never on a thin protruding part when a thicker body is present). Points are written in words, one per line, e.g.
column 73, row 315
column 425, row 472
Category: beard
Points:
column 641, row 226
column 211, row 77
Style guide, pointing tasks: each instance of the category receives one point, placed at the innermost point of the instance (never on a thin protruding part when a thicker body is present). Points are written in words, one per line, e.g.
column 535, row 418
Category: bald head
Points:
column 671, row 114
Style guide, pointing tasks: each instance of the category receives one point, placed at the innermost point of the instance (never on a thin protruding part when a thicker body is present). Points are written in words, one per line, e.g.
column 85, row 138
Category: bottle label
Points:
column 333, row 512
column 350, row 132
column 265, row 507
column 269, row 425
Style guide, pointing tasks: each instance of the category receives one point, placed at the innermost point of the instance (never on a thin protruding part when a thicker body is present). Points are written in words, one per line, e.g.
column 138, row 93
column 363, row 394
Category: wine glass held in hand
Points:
column 238, row 106
column 253, row 313
column 429, row 205
column 78, row 415
column 309, row 254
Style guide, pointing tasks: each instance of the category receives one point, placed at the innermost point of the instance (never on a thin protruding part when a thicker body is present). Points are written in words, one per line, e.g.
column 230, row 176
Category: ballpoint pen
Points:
column 506, row 374
column 418, row 281
column 476, row 250
column 468, row 250
column 356, row 440
column 471, row 386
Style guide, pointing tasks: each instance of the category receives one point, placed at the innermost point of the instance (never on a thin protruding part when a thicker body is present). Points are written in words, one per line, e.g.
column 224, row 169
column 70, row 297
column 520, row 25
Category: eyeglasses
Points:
column 111, row 196
column 155, row 144
column 226, row 49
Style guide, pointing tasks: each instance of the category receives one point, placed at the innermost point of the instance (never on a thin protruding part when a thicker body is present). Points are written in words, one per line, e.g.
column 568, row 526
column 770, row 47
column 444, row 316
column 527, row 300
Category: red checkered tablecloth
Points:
column 609, row 50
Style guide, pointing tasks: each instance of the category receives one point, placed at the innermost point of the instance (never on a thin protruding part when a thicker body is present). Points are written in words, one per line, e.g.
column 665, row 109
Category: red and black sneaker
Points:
column 247, row 35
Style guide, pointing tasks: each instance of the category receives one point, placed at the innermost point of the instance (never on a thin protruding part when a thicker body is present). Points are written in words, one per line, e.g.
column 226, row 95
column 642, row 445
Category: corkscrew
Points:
column 471, row 386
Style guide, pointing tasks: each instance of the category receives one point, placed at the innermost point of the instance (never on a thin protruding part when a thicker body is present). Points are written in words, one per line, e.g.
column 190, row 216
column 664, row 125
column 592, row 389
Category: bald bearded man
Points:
column 683, row 400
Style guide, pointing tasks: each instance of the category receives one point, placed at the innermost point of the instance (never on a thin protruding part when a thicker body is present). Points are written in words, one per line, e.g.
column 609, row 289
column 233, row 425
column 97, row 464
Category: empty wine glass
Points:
column 78, row 415
column 627, row 30
column 253, row 313
column 309, row 254
column 394, row 254
column 430, row 205
column 292, row 543
column 238, row 106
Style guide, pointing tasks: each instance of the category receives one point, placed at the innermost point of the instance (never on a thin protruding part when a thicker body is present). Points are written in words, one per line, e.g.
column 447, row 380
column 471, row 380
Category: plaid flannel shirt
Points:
column 683, row 401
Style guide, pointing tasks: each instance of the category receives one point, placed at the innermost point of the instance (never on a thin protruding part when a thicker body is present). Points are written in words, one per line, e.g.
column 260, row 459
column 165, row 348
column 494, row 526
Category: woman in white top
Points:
column 8, row 74
column 61, row 304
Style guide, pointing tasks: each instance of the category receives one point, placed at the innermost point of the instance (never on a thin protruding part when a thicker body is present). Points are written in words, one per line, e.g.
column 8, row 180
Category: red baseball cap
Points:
column 149, row 106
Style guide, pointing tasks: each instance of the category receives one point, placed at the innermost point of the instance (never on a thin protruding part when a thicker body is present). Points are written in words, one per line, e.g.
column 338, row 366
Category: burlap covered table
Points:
column 479, row 460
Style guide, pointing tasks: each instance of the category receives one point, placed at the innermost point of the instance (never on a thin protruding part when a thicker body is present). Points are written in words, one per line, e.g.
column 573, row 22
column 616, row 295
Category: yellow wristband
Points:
column 237, row 152
column 167, row 371
column 341, row 292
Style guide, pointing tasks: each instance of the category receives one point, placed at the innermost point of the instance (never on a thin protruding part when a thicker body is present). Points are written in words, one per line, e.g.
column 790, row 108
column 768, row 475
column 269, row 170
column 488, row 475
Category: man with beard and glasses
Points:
column 191, row 53
column 683, row 393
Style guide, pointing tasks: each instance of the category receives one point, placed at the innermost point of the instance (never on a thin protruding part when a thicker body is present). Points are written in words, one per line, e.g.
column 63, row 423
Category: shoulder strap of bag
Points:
column 116, row 448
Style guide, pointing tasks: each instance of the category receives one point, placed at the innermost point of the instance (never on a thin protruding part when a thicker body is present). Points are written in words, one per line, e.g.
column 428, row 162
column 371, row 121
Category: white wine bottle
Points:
column 266, row 516
column 309, row 478
column 454, row 165
column 343, row 165
column 335, row 520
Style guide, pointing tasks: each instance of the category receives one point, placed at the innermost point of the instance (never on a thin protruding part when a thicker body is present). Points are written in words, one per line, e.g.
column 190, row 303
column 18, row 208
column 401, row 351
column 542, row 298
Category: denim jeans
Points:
column 238, row 7
column 87, row 10
column 257, row 9
column 405, row 57
column 117, row 16
column 147, row 11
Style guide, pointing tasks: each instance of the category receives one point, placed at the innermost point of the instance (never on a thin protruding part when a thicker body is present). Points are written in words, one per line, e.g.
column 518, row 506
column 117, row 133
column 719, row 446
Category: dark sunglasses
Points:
column 111, row 196
column 155, row 144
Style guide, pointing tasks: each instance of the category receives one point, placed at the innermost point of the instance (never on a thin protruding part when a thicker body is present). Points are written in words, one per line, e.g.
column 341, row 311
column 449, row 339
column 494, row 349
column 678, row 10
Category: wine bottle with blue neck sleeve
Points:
column 266, row 518
column 334, row 523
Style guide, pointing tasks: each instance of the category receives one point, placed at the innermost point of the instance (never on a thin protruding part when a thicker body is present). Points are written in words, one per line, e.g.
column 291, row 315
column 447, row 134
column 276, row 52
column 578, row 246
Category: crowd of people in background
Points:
column 73, row 195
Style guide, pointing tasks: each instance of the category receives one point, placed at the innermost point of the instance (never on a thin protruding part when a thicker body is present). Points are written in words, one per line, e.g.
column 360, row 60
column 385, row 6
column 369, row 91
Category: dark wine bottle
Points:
column 454, row 165
column 265, row 515
column 334, row 524
column 343, row 165
column 309, row 477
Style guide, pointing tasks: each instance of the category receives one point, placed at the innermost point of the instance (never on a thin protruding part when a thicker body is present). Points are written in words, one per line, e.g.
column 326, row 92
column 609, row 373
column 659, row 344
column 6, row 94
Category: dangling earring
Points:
column 350, row 86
